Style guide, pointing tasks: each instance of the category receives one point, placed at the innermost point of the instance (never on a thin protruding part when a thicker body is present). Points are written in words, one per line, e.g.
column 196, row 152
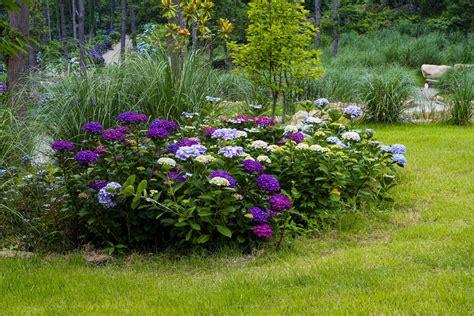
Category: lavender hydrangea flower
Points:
column 385, row 148
column 398, row 149
column 335, row 140
column 231, row 151
column 258, row 215
column 262, row 231
column 297, row 137
column 353, row 111
column 268, row 183
column 97, row 184
column 212, row 99
column 279, row 202
column 225, row 175
column 106, row 197
column 155, row 133
column 186, row 152
column 399, row 159
column 252, row 166
column 93, row 127
column 2, row 172
column 132, row 117
column 208, row 131
column 264, row 121
column 86, row 157
column 167, row 125
column 62, row 145
column 113, row 134
column 321, row 102
column 225, row 133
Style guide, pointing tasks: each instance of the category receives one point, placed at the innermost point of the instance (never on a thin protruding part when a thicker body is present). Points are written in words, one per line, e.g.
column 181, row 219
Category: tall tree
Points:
column 335, row 36
column 317, row 19
column 133, row 23
column 82, row 54
column 62, row 28
column 74, row 21
column 112, row 13
column 18, row 63
column 123, row 30
column 48, row 20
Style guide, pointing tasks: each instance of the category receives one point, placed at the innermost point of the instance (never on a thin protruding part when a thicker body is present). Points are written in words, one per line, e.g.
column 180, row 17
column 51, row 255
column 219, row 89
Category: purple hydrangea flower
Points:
column 208, row 131
column 259, row 216
column 231, row 151
column 225, row 133
column 185, row 152
column 188, row 142
column 176, row 176
column 113, row 134
column 132, row 117
column 353, row 111
column 264, row 121
column 155, row 133
column 97, row 184
column 252, row 166
column 399, row 159
column 62, row 145
column 101, row 151
column 297, row 137
column 172, row 148
column 86, row 157
column 268, row 183
column 280, row 202
column 93, row 127
column 167, row 125
column 3, row 87
column 262, row 231
column 225, row 175
column 106, row 198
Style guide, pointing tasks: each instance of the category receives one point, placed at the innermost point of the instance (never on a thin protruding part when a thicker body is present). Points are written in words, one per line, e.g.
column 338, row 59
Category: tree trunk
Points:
column 123, row 31
column 317, row 19
column 18, row 64
column 74, row 21
column 82, row 53
column 62, row 24
column 112, row 13
column 91, row 6
column 335, row 36
column 133, row 23
column 48, row 20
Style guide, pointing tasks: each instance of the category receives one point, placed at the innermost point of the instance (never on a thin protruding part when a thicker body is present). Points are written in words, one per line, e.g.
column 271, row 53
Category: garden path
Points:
column 113, row 55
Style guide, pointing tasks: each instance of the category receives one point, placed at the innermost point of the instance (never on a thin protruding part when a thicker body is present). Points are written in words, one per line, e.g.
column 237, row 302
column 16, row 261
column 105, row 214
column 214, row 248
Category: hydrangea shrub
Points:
column 210, row 181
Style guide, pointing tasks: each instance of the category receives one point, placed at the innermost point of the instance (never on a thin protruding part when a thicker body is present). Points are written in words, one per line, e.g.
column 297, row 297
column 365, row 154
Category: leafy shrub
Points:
column 385, row 94
column 214, row 181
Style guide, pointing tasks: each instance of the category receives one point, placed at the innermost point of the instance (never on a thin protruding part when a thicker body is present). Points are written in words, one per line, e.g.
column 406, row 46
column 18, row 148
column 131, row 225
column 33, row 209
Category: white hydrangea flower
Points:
column 313, row 120
column 318, row 148
column 253, row 130
column 302, row 146
column 238, row 197
column 241, row 134
column 205, row 159
column 264, row 158
column 167, row 161
column 351, row 136
column 291, row 129
column 221, row 182
column 248, row 157
column 259, row 144
column 272, row 148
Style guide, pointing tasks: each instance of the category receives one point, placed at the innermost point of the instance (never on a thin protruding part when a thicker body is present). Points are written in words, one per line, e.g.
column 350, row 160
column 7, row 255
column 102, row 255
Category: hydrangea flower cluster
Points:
column 97, row 184
column 353, row 111
column 268, row 183
column 297, row 137
column 279, row 202
column 155, row 133
column 321, row 102
column 351, row 136
column 113, row 134
column 86, row 157
column 167, row 162
column 167, row 125
column 107, row 193
column 252, row 166
column 225, row 133
column 231, row 151
column 132, row 117
column 62, row 145
column 223, row 175
column 258, row 215
column 185, row 152
column 264, row 121
column 93, row 127
column 263, row 231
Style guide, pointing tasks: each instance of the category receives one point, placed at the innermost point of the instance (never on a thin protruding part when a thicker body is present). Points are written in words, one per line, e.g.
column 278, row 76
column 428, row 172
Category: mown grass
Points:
column 415, row 259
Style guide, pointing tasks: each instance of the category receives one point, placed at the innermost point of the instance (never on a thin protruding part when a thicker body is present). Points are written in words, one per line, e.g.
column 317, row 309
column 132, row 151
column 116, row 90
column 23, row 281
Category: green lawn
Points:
column 417, row 258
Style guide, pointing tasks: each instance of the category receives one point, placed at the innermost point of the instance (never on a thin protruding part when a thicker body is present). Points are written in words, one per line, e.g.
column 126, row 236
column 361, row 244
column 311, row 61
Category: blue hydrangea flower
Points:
column 2, row 172
column 185, row 152
column 212, row 99
column 399, row 159
column 321, row 102
column 231, row 151
column 398, row 149
column 225, row 133
column 335, row 140
column 106, row 198
column 385, row 148
column 353, row 111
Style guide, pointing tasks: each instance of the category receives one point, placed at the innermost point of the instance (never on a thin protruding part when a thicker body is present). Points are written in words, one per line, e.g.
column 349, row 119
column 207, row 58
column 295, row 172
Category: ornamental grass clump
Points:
column 214, row 182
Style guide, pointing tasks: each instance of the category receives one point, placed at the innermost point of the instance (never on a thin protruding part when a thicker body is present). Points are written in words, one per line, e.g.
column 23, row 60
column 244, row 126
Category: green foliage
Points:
column 385, row 94
column 277, row 56
column 458, row 85
column 142, row 83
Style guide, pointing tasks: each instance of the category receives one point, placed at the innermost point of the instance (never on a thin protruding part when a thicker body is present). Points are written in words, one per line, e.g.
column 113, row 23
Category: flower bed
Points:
column 213, row 180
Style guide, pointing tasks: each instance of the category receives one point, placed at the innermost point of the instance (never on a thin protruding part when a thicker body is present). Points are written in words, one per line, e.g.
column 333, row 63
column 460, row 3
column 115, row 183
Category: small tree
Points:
column 277, row 55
